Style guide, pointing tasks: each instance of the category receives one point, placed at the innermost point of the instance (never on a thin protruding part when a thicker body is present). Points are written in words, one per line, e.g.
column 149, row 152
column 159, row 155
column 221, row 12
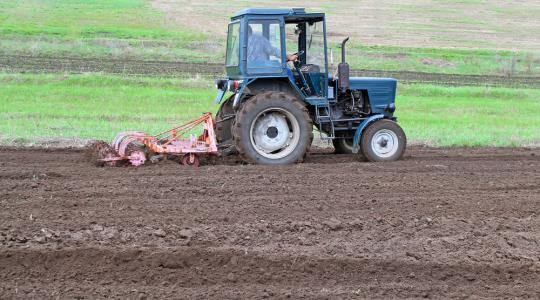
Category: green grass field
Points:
column 88, row 18
column 442, row 60
column 37, row 109
column 95, row 28
column 43, row 107
column 469, row 116
column 134, row 29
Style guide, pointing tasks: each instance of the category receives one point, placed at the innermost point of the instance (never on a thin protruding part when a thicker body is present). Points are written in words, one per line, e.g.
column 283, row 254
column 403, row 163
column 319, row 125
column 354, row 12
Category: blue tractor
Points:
column 279, row 87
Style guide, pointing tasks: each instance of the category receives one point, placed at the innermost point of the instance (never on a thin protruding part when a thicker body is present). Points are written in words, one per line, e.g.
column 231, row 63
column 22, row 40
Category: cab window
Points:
column 264, row 46
column 233, row 45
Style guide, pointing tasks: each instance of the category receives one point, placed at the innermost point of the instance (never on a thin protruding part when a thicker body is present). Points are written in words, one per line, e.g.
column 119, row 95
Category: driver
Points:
column 260, row 49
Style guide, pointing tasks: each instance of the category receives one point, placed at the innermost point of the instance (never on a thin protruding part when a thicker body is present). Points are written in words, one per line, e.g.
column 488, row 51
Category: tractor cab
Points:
column 260, row 41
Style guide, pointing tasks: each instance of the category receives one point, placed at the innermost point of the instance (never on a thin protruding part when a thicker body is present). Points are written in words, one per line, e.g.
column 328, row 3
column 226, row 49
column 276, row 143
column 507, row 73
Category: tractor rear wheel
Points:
column 273, row 128
column 383, row 140
column 224, row 120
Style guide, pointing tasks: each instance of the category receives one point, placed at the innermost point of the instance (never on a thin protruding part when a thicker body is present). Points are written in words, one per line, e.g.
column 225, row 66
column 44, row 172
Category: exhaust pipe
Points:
column 343, row 69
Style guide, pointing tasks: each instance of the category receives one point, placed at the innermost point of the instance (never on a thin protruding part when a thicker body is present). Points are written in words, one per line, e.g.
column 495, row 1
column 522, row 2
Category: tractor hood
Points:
column 381, row 92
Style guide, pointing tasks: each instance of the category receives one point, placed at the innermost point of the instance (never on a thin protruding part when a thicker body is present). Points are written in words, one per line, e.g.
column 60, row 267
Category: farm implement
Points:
column 136, row 147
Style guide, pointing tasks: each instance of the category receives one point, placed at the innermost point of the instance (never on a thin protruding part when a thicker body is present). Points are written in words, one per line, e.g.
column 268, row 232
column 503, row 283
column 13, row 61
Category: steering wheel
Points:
column 299, row 53
column 296, row 65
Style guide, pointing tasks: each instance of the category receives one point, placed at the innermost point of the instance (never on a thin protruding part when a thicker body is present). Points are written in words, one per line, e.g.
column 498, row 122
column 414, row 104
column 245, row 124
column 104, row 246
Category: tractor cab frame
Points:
column 288, row 31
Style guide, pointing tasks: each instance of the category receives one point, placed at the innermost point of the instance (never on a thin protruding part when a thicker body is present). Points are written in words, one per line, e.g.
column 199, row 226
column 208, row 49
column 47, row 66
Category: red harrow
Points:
column 137, row 147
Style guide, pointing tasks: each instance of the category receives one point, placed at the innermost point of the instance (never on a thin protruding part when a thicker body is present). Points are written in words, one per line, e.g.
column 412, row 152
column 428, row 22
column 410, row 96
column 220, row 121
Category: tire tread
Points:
column 365, row 143
column 250, row 105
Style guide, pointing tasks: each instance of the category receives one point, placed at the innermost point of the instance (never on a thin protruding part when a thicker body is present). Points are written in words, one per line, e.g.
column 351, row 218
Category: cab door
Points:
column 307, row 36
column 315, row 68
column 264, row 50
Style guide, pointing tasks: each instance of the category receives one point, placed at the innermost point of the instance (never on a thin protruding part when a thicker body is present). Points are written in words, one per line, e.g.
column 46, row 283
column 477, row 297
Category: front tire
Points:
column 383, row 140
column 273, row 128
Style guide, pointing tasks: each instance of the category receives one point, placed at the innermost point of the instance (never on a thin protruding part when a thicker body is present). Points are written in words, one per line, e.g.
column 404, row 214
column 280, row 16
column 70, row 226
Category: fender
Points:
column 234, row 86
column 360, row 129
column 259, row 85
column 240, row 92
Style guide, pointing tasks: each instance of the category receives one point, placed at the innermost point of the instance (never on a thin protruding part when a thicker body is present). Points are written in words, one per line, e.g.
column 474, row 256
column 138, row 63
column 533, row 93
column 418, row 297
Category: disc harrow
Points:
column 137, row 147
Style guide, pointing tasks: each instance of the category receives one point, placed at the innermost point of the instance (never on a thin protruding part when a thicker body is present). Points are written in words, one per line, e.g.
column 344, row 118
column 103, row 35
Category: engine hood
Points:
column 381, row 92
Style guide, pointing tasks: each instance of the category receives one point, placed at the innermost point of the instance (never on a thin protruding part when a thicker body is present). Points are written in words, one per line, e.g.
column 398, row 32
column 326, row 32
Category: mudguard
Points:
column 360, row 129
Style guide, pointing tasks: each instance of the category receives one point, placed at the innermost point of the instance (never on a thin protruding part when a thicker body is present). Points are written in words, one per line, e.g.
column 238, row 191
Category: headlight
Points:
column 234, row 85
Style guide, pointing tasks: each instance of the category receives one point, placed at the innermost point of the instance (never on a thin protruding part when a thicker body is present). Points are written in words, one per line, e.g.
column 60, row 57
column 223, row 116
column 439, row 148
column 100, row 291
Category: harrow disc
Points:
column 120, row 136
column 125, row 141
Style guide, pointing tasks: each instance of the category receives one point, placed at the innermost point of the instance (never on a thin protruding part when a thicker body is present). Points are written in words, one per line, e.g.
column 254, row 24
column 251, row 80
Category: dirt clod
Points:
column 333, row 224
column 185, row 234
column 159, row 233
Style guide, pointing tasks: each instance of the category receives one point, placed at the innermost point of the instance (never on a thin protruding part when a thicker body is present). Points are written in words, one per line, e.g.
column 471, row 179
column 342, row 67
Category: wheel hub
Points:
column 271, row 132
column 384, row 143
column 274, row 133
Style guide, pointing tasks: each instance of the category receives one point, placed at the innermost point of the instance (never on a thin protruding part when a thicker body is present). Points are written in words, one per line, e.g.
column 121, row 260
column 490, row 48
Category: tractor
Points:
column 272, row 104
column 270, row 101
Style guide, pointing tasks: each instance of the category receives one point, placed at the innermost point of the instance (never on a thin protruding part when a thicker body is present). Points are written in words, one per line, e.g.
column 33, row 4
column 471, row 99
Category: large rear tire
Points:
column 273, row 128
column 383, row 140
column 224, row 121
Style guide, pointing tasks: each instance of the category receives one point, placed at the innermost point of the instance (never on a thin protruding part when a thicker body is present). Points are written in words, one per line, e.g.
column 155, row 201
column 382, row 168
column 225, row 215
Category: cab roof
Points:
column 297, row 11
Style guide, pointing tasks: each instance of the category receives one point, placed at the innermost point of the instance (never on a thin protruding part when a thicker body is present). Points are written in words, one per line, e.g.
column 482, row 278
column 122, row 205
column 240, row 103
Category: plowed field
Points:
column 441, row 223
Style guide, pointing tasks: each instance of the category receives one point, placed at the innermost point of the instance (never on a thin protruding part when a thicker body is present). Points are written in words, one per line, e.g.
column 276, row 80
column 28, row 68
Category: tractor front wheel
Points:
column 273, row 128
column 384, row 140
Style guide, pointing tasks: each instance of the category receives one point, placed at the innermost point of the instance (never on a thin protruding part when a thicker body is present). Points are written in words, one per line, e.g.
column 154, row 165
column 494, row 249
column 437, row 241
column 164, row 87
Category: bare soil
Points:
column 441, row 223
column 36, row 64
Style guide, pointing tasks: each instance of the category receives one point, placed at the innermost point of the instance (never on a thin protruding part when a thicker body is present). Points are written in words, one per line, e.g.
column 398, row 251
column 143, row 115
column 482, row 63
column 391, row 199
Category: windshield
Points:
column 233, row 45
column 315, row 45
